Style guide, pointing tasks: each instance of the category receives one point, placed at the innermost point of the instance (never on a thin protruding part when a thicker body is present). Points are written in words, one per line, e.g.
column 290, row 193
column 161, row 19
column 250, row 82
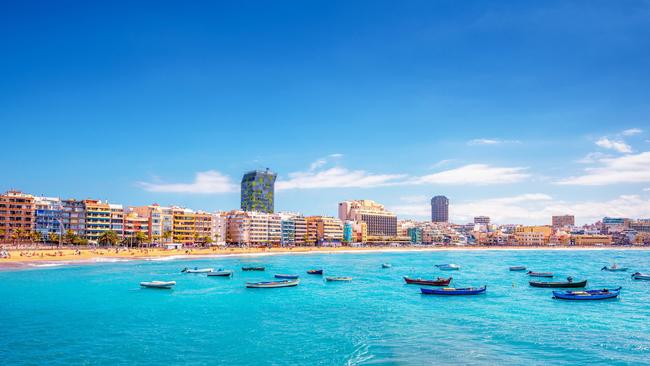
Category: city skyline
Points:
column 155, row 108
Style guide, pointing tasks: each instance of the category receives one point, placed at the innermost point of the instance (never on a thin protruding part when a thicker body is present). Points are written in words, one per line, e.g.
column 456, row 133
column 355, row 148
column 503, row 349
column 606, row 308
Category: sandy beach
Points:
column 42, row 257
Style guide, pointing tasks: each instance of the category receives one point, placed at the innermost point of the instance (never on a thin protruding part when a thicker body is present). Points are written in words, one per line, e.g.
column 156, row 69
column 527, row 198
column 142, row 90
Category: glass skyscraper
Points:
column 440, row 209
column 257, row 191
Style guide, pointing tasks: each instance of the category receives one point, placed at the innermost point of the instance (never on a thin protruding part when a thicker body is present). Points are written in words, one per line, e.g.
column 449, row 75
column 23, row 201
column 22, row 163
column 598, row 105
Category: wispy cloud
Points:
column 593, row 157
column 533, row 208
column 632, row 168
column 632, row 132
column 208, row 182
column 491, row 141
column 617, row 145
column 337, row 177
column 475, row 174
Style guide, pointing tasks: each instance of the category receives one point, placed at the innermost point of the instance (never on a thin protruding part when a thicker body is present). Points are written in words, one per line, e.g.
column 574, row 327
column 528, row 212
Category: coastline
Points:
column 43, row 258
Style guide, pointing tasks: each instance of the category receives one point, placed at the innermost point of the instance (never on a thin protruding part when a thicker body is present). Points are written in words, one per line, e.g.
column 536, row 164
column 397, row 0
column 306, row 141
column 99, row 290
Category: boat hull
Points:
column 422, row 282
column 578, row 284
column 518, row 268
column 315, row 272
column 338, row 279
column 540, row 274
column 286, row 276
column 454, row 292
column 252, row 268
column 221, row 274
column 587, row 295
column 163, row 285
column 272, row 284
column 202, row 270
column 448, row 267
column 623, row 269
column 641, row 276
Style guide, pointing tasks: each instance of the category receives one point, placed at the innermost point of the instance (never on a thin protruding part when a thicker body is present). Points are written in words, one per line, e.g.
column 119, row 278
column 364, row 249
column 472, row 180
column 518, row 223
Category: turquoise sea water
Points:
column 98, row 314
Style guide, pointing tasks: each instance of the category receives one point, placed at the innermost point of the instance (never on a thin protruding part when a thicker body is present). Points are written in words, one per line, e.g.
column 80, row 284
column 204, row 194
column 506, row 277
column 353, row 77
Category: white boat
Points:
column 448, row 267
column 386, row 265
column 641, row 276
column 338, row 279
column 273, row 284
column 158, row 284
column 197, row 270
column 221, row 273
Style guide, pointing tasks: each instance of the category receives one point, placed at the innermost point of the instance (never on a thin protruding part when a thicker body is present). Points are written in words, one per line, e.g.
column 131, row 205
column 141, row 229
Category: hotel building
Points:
column 74, row 216
column 324, row 229
column 98, row 219
column 16, row 213
column 117, row 219
column 381, row 223
column 440, row 209
column 48, row 216
column 257, row 191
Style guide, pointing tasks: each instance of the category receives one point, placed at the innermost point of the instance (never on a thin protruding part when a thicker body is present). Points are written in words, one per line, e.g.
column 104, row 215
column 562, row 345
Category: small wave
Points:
column 45, row 265
column 109, row 260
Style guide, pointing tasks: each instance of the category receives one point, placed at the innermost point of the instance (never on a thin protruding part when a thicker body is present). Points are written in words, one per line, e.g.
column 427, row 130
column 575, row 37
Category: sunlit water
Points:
column 98, row 314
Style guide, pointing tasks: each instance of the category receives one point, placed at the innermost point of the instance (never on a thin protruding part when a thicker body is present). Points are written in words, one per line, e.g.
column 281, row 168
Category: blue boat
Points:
column 450, row 291
column 587, row 295
column 287, row 276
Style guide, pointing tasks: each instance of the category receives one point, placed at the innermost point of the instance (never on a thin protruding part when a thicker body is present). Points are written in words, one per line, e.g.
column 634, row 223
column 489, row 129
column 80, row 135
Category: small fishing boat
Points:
column 568, row 284
column 419, row 281
column 614, row 268
column 273, row 284
column 338, row 279
column 518, row 268
column 587, row 295
column 315, row 272
column 540, row 274
column 252, row 268
column 641, row 276
column 450, row 291
column 197, row 270
column 221, row 273
column 166, row 285
column 386, row 265
column 448, row 267
column 287, row 276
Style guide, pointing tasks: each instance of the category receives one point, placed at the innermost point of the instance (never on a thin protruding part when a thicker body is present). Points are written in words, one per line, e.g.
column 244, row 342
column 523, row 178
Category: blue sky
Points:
column 517, row 110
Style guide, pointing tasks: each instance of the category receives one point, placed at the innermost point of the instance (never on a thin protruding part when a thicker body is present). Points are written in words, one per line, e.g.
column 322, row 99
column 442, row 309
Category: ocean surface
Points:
column 98, row 314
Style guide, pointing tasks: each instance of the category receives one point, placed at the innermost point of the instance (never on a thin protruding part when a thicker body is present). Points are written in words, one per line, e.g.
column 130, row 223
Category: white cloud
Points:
column 534, row 208
column 491, row 141
column 210, row 181
column 632, row 132
column 442, row 163
column 475, row 174
column 633, row 168
column 617, row 145
column 593, row 157
column 646, row 189
column 337, row 177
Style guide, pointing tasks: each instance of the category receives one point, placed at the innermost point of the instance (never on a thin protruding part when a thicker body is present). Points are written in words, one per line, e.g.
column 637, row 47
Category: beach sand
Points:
column 44, row 257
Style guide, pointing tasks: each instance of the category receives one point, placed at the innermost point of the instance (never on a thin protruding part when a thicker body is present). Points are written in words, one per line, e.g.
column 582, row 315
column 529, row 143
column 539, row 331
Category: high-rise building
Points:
column 74, row 216
column 563, row 221
column 47, row 216
column 258, row 190
column 440, row 209
column 380, row 222
column 16, row 214
column 98, row 219
column 483, row 220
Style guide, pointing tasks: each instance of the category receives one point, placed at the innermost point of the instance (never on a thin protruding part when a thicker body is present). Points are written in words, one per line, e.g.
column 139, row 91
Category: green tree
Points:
column 17, row 235
column 2, row 233
column 70, row 237
column 53, row 238
column 207, row 240
column 35, row 236
column 167, row 235
column 109, row 237
column 140, row 238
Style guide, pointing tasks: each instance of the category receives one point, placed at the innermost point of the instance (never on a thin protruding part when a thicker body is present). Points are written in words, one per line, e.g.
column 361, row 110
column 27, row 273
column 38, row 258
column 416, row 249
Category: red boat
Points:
column 437, row 282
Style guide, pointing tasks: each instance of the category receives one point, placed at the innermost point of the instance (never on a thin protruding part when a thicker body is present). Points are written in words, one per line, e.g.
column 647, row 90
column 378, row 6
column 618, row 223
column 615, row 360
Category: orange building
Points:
column 16, row 214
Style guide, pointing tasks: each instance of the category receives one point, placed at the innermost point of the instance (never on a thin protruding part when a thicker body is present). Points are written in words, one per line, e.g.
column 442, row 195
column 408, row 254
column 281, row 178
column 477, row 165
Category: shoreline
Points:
column 45, row 258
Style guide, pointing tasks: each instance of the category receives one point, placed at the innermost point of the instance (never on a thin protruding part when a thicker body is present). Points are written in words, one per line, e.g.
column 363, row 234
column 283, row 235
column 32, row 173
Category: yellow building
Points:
column 98, row 219
column 591, row 239
column 321, row 229
column 533, row 235
column 190, row 226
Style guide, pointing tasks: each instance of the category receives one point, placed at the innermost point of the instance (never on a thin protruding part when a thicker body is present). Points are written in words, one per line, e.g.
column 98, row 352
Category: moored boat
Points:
column 614, row 268
column 165, row 285
column 338, row 279
column 419, row 281
column 221, row 273
column 386, row 265
column 518, row 268
column 450, row 291
column 540, row 274
column 197, row 270
column 273, row 284
column 587, row 295
column 641, row 276
column 287, row 276
column 448, row 267
column 568, row 284
column 315, row 272
column 252, row 268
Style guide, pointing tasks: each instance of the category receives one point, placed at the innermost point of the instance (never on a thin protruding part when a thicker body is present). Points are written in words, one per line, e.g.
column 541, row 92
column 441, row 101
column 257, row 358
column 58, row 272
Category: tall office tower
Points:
column 257, row 191
column 440, row 209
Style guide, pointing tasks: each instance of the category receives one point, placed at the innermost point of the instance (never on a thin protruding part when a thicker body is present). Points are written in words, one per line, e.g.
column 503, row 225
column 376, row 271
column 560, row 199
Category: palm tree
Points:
column 53, row 237
column 108, row 238
column 17, row 235
column 167, row 235
column 2, row 233
column 140, row 237
column 35, row 236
